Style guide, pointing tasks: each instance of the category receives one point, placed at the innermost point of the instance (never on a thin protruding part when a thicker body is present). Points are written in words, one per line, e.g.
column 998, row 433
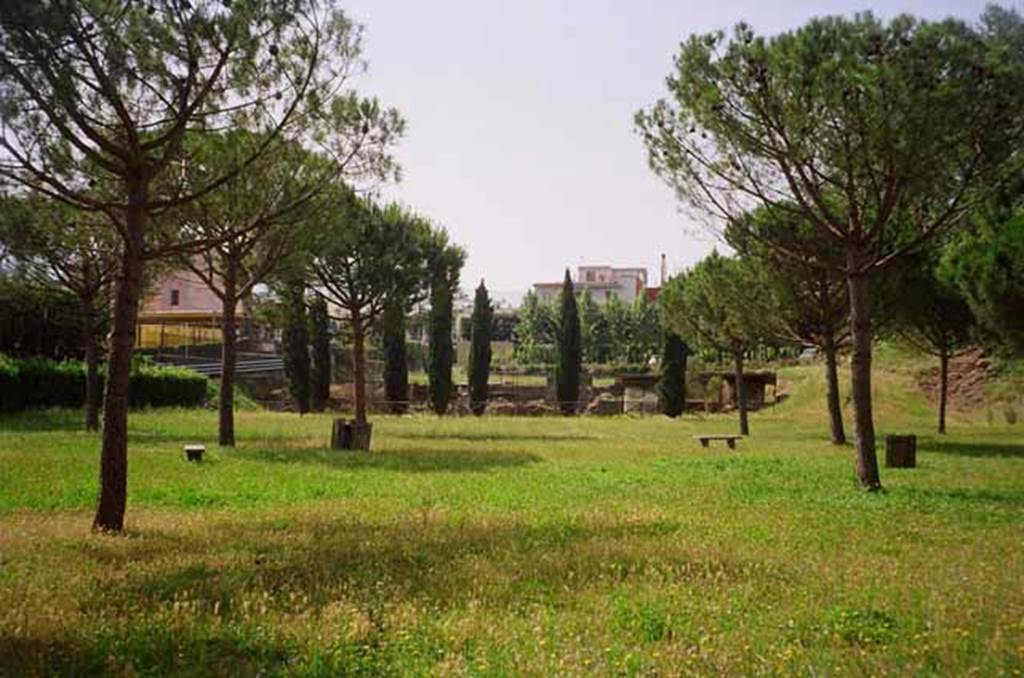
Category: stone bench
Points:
column 730, row 440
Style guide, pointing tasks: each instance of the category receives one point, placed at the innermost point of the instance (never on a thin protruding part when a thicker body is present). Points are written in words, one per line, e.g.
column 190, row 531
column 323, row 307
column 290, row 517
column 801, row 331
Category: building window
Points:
column 590, row 276
column 175, row 297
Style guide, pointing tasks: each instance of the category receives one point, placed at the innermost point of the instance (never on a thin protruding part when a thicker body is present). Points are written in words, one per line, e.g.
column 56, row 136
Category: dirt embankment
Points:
column 968, row 376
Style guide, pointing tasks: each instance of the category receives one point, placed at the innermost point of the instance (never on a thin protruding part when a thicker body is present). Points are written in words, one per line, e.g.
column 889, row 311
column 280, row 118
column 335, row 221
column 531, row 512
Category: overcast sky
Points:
column 520, row 137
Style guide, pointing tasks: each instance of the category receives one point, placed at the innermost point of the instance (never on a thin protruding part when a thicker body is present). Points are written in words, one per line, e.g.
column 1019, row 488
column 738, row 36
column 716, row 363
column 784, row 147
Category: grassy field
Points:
column 516, row 546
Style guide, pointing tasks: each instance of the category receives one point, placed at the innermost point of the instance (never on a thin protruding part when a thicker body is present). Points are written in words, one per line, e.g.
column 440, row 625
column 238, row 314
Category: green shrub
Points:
column 163, row 386
column 31, row 383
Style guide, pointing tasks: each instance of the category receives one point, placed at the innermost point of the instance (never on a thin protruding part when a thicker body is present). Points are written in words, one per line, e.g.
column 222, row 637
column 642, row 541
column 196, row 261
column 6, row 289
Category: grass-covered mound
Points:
column 508, row 546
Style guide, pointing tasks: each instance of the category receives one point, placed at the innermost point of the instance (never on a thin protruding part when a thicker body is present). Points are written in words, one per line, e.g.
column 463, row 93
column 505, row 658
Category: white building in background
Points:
column 602, row 281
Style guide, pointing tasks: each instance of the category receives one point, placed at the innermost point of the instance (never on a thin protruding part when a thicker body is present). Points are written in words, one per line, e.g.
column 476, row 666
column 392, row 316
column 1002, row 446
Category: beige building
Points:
column 602, row 281
column 180, row 311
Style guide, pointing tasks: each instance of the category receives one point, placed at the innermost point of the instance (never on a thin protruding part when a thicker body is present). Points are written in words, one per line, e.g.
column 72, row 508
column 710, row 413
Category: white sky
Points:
column 520, row 136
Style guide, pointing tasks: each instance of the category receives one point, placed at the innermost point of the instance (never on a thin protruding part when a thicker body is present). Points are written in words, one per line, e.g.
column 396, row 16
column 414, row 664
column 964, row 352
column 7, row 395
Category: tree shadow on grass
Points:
column 969, row 497
column 43, row 421
column 406, row 460
column 159, row 650
column 477, row 436
column 973, row 449
column 420, row 556
column 242, row 578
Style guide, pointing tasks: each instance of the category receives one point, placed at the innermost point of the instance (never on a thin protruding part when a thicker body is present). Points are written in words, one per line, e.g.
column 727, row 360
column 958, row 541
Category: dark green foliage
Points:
column 373, row 255
column 809, row 298
column 320, row 336
column 880, row 133
column 55, row 296
column 719, row 305
column 29, row 383
column 933, row 316
column 811, row 301
column 643, row 337
column 442, row 352
column 480, row 350
column 672, row 387
column 396, row 358
column 535, row 331
column 295, row 340
column 445, row 263
column 38, row 321
column 617, row 327
column 570, row 350
column 597, row 344
column 987, row 265
column 612, row 332
column 153, row 386
column 503, row 327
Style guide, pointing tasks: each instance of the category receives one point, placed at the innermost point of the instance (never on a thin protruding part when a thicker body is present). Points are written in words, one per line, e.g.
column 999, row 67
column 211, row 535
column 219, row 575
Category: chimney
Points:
column 664, row 269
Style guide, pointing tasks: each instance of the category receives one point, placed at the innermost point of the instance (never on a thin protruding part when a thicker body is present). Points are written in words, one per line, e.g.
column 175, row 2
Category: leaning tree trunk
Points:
column 359, row 366
column 860, row 375
column 92, row 375
column 741, row 395
column 835, row 410
column 114, row 453
column 229, row 337
column 943, row 388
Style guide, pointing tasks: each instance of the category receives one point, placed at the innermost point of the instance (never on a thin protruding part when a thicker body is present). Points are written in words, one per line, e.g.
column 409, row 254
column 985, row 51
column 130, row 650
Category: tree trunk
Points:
column 92, row 376
column 741, row 395
column 114, row 453
column 860, row 375
column 943, row 388
column 229, row 332
column 359, row 367
column 835, row 409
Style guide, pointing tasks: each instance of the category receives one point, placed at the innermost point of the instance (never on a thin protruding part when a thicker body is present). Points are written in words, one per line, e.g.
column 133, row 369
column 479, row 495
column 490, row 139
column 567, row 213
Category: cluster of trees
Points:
column 306, row 344
column 735, row 304
column 848, row 148
column 610, row 333
column 386, row 260
column 220, row 136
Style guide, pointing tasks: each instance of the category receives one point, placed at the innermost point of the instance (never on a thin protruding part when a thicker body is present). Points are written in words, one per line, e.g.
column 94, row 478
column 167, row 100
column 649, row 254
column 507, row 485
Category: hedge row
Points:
column 28, row 383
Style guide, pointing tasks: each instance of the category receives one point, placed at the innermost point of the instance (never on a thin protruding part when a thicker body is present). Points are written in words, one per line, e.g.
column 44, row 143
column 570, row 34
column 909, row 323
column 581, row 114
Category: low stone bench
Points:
column 730, row 440
column 194, row 452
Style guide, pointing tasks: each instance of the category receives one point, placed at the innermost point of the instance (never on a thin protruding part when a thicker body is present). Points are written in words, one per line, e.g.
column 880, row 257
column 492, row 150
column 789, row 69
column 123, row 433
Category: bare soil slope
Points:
column 969, row 374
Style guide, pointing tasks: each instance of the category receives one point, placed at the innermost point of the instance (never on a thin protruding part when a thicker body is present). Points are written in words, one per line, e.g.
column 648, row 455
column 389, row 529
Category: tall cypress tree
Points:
column 441, row 349
column 672, row 387
column 396, row 363
column 319, row 325
column 480, row 350
column 295, row 342
column 570, row 350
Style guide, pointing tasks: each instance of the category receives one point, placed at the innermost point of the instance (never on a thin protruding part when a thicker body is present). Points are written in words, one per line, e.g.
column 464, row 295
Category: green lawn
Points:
column 509, row 546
